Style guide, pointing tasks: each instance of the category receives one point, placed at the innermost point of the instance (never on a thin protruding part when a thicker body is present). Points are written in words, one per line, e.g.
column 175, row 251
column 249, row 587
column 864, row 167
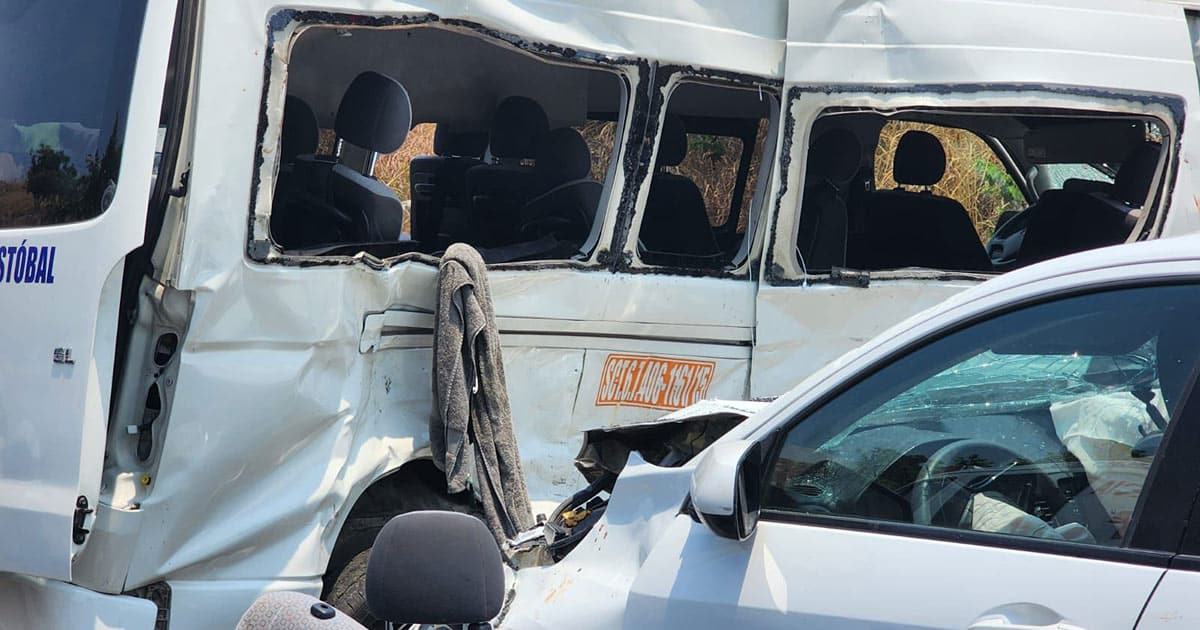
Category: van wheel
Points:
column 418, row 486
column 348, row 592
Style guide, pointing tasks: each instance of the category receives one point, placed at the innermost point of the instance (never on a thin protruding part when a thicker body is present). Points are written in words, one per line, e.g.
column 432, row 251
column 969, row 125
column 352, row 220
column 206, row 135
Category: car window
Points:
column 1052, row 176
column 68, row 70
column 1043, row 422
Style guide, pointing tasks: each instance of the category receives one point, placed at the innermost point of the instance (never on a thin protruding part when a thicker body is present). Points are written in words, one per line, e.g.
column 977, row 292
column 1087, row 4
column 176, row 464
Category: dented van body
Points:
column 236, row 369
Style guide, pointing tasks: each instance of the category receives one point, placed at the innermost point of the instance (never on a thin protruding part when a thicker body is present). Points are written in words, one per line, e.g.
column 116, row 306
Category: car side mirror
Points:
column 434, row 567
column 726, row 488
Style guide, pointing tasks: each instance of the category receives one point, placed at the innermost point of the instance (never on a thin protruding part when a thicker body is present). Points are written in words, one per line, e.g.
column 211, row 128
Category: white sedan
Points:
column 1022, row 456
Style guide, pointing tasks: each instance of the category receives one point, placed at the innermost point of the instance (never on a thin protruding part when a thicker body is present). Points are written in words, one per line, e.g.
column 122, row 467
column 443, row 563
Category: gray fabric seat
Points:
column 375, row 114
column 916, row 229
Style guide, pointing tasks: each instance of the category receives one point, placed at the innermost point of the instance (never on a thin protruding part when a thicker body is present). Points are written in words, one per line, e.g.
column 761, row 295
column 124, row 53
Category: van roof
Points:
column 898, row 41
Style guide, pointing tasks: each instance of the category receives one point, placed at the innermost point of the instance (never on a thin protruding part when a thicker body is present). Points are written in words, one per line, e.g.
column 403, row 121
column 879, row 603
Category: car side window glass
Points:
column 68, row 76
column 1042, row 422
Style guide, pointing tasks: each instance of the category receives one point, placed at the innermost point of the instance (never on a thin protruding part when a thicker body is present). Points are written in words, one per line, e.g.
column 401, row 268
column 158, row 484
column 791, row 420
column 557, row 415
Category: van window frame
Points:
column 1168, row 110
column 668, row 78
column 283, row 29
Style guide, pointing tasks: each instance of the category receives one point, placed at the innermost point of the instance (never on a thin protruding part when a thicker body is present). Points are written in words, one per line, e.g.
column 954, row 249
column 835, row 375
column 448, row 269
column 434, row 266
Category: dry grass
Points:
column 392, row 169
column 600, row 136
column 712, row 163
column 974, row 176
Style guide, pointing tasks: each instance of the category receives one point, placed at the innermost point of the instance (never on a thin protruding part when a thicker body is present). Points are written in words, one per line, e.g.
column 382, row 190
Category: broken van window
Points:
column 67, row 71
column 704, row 176
column 970, row 191
column 507, row 152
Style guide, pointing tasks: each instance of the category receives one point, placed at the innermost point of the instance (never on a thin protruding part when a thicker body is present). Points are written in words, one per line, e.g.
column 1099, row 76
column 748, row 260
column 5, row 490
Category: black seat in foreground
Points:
column 916, row 229
column 438, row 183
column 1064, row 221
column 675, row 228
column 499, row 190
column 375, row 114
column 833, row 160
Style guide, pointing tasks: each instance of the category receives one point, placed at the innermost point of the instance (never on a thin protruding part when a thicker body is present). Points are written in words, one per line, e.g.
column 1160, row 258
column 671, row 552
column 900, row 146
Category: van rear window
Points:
column 67, row 69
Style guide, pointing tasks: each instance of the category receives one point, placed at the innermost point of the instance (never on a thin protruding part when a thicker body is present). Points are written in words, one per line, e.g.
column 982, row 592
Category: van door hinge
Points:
column 78, row 533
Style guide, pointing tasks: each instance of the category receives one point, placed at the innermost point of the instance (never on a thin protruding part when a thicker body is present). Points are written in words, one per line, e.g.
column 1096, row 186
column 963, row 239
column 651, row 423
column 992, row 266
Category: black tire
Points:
column 421, row 487
column 348, row 593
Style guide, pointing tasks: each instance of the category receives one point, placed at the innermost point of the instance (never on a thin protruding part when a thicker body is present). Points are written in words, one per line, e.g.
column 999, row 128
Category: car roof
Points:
column 1174, row 257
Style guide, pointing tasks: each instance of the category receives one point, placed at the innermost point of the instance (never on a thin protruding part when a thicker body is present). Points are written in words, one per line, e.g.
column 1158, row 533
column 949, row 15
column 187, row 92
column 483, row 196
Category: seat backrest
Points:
column 498, row 190
column 916, row 229
column 438, row 181
column 1076, row 184
column 1136, row 175
column 833, row 160
column 375, row 114
column 300, row 133
column 675, row 222
column 1068, row 221
column 567, row 208
column 301, row 180
column 1064, row 222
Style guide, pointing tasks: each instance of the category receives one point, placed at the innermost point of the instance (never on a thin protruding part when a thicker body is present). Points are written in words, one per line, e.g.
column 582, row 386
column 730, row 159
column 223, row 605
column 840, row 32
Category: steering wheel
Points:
column 958, row 471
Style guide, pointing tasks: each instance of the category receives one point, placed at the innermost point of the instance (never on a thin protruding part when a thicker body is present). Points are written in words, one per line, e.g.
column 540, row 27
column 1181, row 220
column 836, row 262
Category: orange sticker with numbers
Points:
column 653, row 382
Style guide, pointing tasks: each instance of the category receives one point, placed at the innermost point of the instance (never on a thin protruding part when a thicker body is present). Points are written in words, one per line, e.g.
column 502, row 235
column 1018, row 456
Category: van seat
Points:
column 438, row 184
column 916, row 229
column 675, row 222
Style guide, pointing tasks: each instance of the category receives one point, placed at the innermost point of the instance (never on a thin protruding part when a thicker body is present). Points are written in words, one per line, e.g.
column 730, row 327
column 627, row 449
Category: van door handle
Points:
column 1022, row 616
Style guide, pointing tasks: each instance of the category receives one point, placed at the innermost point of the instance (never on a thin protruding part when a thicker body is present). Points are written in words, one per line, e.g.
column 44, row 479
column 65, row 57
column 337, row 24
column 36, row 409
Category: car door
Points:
column 1003, row 475
column 1173, row 603
column 78, row 123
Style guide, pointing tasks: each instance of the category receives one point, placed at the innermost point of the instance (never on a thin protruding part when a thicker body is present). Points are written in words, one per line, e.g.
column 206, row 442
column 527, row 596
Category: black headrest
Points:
column 450, row 143
column 434, row 567
column 1137, row 173
column 920, row 159
column 375, row 113
column 300, row 133
column 518, row 124
column 673, row 146
column 834, row 156
column 563, row 156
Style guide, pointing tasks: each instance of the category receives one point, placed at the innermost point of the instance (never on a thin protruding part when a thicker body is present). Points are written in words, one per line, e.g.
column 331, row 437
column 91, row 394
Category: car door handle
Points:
column 1022, row 616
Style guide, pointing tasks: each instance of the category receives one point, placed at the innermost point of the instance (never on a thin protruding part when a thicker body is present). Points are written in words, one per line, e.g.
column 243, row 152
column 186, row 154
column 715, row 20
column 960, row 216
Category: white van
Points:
column 681, row 201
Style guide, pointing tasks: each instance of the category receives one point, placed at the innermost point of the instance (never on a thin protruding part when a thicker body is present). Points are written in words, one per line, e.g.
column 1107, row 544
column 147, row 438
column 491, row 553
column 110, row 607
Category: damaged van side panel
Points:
column 291, row 402
column 302, row 380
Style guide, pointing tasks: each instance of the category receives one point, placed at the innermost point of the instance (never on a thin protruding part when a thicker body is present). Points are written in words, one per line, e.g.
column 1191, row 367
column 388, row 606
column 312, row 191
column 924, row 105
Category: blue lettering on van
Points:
column 27, row 264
